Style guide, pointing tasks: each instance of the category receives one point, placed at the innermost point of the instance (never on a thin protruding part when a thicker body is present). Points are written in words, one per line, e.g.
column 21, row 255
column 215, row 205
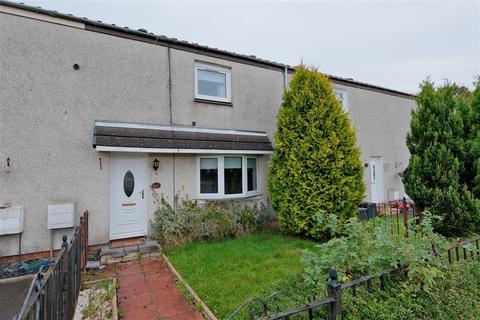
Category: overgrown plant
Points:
column 191, row 221
column 358, row 250
column 316, row 163
column 444, row 141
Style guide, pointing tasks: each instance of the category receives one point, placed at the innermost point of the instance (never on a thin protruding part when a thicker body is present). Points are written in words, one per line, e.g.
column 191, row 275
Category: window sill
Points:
column 221, row 103
column 227, row 197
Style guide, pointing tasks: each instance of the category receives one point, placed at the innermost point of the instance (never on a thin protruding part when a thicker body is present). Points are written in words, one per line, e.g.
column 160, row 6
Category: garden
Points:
column 322, row 260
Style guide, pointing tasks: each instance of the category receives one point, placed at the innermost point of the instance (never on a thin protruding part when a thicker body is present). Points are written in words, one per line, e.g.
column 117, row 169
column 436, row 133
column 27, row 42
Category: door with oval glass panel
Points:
column 128, row 174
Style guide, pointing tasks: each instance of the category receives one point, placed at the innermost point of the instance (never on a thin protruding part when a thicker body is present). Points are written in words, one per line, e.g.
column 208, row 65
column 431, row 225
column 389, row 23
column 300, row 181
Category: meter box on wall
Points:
column 61, row 215
column 11, row 220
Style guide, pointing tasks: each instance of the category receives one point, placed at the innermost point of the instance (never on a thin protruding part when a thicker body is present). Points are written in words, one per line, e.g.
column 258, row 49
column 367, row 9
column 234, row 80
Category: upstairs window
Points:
column 342, row 96
column 212, row 83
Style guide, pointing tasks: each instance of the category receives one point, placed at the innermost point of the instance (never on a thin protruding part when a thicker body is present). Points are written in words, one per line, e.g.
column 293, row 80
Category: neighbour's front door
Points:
column 376, row 179
column 127, row 196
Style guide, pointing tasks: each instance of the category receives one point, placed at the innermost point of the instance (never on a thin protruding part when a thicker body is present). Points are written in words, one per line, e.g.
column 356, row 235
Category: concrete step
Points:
column 149, row 249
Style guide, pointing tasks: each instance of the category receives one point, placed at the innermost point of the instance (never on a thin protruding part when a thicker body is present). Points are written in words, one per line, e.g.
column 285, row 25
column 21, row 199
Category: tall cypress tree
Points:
column 315, row 169
column 437, row 146
column 471, row 174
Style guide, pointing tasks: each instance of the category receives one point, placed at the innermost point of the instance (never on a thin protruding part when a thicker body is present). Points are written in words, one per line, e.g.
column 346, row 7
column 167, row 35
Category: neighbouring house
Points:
column 101, row 117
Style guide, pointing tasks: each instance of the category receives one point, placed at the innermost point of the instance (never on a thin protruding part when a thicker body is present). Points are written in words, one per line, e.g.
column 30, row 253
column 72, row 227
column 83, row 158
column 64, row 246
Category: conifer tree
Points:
column 315, row 169
column 437, row 146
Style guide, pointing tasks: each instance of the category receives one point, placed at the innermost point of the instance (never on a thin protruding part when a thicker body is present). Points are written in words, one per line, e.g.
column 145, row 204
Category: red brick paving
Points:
column 147, row 290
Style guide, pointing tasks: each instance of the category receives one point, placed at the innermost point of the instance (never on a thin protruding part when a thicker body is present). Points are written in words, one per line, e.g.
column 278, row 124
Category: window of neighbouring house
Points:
column 251, row 174
column 227, row 176
column 212, row 82
column 209, row 175
column 342, row 96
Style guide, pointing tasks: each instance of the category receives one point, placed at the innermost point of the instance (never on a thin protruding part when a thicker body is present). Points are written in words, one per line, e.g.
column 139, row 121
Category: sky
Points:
column 394, row 44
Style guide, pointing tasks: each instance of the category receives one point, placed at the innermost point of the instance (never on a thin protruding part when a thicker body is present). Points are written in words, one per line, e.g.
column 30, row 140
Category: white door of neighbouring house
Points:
column 128, row 205
column 376, row 179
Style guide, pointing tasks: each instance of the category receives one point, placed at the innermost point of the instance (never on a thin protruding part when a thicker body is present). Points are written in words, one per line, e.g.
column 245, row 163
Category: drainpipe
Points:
column 171, row 121
column 285, row 78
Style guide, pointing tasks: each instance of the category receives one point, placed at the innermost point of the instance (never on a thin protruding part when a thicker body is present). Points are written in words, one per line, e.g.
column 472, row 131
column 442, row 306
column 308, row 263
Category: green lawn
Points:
column 225, row 273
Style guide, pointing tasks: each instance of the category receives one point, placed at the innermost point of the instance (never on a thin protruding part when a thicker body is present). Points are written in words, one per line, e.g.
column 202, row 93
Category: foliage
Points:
column 316, row 164
column 225, row 273
column 358, row 251
column 189, row 221
column 454, row 296
column 471, row 112
column 99, row 295
column 436, row 176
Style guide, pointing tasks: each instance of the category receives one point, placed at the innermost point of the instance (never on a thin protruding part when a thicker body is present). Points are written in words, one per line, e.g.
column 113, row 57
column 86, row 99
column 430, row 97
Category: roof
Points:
column 126, row 32
column 134, row 137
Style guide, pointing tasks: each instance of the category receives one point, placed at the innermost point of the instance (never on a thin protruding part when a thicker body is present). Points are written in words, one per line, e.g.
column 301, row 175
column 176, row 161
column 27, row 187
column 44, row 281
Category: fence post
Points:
column 64, row 241
column 405, row 216
column 335, row 291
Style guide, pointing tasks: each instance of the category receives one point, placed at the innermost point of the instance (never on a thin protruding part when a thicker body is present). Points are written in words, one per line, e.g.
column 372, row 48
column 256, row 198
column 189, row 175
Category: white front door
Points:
column 376, row 179
column 128, row 205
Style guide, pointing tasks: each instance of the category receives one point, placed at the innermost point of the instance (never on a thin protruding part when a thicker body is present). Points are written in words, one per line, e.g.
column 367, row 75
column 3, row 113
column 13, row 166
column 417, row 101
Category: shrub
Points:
column 316, row 164
column 437, row 144
column 190, row 221
column 359, row 250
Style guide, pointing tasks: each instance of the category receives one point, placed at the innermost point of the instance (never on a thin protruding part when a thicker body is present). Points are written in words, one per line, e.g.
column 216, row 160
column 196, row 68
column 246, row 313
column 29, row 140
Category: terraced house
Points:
column 101, row 117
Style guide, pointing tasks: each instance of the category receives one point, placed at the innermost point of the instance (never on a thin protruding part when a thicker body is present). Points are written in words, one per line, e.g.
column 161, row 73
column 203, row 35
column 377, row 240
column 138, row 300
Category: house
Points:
column 105, row 117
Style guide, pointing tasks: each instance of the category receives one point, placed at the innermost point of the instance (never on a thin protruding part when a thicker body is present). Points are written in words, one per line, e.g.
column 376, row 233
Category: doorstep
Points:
column 149, row 249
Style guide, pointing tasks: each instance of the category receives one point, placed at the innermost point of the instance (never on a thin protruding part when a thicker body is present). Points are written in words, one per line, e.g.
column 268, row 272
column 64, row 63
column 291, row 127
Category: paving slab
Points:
column 147, row 290
column 12, row 294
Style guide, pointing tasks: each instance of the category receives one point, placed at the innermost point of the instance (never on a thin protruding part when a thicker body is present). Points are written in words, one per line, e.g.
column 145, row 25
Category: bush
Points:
column 190, row 221
column 316, row 164
column 359, row 250
column 440, row 156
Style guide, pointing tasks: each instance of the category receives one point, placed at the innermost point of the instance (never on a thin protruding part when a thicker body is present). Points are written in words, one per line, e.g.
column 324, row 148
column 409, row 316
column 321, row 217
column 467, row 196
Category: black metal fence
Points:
column 53, row 294
column 458, row 252
column 397, row 213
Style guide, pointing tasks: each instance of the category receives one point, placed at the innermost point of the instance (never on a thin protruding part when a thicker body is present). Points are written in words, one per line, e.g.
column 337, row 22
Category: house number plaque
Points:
column 156, row 185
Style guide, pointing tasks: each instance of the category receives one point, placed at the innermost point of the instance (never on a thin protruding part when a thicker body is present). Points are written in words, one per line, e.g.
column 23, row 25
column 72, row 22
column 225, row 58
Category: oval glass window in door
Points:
column 128, row 183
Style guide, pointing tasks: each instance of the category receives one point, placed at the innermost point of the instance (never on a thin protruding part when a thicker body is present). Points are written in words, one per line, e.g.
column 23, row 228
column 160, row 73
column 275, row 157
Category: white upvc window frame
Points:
column 344, row 99
column 228, row 82
column 221, row 178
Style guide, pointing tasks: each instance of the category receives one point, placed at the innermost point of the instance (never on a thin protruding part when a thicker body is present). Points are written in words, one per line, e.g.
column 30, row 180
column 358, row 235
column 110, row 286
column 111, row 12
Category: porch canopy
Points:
column 147, row 138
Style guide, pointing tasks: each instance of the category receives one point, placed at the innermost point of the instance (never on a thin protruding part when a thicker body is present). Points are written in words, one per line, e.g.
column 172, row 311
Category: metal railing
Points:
column 457, row 253
column 397, row 213
column 53, row 294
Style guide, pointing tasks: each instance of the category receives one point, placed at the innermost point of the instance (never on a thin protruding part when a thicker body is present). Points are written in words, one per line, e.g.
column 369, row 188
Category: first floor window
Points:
column 209, row 175
column 341, row 96
column 224, row 176
column 212, row 82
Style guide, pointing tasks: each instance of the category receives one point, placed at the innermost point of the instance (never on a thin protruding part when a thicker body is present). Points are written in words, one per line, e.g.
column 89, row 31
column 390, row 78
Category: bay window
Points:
column 227, row 176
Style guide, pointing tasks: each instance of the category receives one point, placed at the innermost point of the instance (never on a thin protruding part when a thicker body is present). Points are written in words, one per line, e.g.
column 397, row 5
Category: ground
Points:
column 12, row 292
column 225, row 273
column 147, row 290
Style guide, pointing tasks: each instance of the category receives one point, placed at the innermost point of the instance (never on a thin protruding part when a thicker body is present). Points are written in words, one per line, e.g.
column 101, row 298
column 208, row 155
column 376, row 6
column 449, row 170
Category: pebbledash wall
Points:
column 48, row 109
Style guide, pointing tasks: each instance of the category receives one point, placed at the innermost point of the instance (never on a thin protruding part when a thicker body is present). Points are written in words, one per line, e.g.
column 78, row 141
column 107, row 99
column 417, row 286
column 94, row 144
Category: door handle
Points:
column 142, row 192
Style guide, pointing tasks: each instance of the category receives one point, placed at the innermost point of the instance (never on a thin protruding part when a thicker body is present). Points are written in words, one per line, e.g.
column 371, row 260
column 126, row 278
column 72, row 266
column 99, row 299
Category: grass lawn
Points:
column 226, row 273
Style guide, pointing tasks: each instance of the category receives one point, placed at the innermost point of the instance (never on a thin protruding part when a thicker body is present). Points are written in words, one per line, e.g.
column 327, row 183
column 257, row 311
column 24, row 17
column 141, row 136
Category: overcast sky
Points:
column 395, row 44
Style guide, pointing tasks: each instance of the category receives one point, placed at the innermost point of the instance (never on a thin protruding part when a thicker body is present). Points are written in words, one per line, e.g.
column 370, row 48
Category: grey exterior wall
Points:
column 381, row 122
column 47, row 112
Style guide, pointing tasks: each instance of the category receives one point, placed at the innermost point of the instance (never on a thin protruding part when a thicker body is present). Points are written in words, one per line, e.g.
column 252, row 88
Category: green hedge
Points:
column 455, row 296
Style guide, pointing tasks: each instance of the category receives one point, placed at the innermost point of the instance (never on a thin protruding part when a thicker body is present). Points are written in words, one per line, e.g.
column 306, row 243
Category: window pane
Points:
column 128, row 183
column 251, row 174
column 212, row 83
column 208, row 176
column 233, row 175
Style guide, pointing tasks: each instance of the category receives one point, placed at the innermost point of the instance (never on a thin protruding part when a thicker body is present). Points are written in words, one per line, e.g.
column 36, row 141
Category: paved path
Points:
column 147, row 290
